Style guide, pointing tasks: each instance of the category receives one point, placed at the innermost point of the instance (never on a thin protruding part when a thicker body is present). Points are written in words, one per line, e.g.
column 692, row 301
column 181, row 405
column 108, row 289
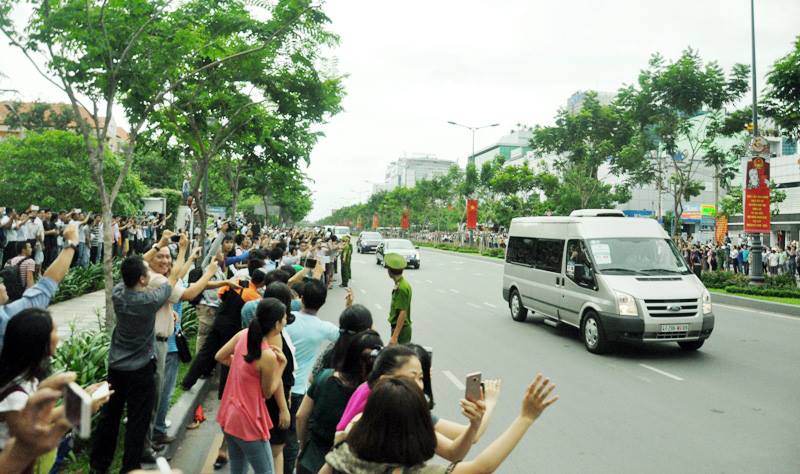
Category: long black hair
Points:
column 26, row 350
column 352, row 321
column 358, row 359
column 269, row 312
column 282, row 293
column 396, row 426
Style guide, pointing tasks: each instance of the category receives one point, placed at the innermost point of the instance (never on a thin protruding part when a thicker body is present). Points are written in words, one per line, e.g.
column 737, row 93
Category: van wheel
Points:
column 594, row 338
column 518, row 311
column 691, row 345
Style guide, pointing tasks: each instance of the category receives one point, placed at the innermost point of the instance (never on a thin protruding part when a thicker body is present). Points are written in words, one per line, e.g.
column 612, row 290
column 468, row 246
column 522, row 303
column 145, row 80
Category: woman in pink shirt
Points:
column 255, row 374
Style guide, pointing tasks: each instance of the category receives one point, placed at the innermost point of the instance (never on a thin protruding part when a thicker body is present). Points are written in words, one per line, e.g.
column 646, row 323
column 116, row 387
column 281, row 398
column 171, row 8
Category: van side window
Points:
column 521, row 250
column 549, row 255
column 579, row 266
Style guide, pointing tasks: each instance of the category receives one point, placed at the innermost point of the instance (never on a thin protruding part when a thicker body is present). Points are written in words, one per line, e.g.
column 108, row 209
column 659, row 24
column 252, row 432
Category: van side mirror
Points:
column 417, row 247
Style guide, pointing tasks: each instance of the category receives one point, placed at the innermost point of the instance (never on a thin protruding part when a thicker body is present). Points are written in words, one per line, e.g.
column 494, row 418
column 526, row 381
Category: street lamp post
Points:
column 473, row 130
column 756, row 269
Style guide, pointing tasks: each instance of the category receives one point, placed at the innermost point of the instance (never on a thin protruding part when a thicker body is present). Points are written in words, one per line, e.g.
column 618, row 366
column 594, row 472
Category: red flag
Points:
column 756, row 196
column 404, row 220
column 472, row 213
column 375, row 221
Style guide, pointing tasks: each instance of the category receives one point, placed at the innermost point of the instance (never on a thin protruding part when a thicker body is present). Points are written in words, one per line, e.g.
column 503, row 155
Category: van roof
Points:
column 586, row 227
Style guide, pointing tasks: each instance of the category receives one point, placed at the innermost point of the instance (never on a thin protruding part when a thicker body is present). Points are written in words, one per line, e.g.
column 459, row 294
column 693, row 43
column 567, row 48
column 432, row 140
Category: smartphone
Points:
column 163, row 466
column 311, row 263
column 102, row 391
column 472, row 391
column 175, row 238
column 78, row 409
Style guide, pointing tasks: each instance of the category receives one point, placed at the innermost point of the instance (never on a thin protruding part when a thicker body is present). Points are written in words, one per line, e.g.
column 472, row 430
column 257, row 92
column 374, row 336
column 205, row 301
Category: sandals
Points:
column 220, row 462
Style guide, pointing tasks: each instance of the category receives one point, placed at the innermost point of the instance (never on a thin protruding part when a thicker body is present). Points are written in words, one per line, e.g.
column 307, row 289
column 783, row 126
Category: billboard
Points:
column 756, row 196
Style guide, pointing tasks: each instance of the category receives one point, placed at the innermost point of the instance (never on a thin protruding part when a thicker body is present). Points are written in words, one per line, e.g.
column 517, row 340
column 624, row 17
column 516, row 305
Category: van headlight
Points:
column 417, row 255
column 626, row 304
column 706, row 302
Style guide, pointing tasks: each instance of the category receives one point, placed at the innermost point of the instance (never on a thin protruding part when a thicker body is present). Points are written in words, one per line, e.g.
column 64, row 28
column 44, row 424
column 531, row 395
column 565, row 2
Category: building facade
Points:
column 408, row 171
column 511, row 147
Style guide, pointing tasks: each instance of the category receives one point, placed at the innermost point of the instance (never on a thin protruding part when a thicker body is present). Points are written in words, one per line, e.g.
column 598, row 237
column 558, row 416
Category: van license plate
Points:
column 674, row 327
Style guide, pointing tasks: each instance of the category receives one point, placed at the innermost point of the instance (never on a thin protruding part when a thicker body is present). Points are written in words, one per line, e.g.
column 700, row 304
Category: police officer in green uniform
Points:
column 400, row 310
column 347, row 255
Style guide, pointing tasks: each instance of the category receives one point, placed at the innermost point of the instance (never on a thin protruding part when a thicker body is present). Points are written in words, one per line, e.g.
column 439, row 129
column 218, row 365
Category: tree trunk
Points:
column 266, row 211
column 108, row 259
column 716, row 188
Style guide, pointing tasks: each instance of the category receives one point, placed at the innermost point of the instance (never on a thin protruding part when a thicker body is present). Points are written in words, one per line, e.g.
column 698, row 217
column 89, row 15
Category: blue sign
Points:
column 638, row 213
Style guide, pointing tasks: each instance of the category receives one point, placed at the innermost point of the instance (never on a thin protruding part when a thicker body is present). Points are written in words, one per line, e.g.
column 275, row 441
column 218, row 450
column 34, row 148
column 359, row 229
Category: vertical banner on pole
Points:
column 404, row 220
column 756, row 196
column 472, row 214
column 375, row 221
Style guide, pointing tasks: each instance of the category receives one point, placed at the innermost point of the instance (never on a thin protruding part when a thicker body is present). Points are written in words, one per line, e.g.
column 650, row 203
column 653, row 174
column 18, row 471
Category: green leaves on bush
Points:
column 721, row 279
column 780, row 282
column 82, row 280
column 762, row 291
column 189, row 324
column 489, row 252
column 85, row 353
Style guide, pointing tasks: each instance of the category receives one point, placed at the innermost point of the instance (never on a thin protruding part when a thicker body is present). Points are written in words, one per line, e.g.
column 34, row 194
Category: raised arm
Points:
column 200, row 285
column 225, row 354
column 164, row 241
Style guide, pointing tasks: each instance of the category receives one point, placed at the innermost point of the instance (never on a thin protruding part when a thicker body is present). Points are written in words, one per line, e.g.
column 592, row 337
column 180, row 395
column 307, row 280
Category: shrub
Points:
column 722, row 279
column 189, row 324
column 780, row 282
column 85, row 353
column 754, row 290
column 82, row 280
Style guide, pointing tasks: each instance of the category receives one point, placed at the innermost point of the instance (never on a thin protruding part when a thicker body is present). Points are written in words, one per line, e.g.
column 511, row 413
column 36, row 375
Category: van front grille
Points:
column 675, row 308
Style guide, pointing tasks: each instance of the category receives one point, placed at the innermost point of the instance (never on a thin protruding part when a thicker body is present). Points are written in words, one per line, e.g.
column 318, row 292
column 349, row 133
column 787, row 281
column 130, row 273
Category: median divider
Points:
column 773, row 307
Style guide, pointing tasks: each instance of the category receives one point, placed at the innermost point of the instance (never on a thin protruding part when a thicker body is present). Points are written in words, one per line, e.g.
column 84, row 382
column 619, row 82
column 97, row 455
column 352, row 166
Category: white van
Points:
column 614, row 278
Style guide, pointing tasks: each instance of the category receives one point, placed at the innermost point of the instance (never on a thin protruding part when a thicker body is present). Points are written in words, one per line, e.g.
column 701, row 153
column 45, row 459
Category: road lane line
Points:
column 489, row 305
column 477, row 274
column 473, row 305
column 363, row 291
column 377, row 306
column 658, row 371
column 454, row 291
column 764, row 313
column 453, row 379
column 428, row 281
column 440, row 290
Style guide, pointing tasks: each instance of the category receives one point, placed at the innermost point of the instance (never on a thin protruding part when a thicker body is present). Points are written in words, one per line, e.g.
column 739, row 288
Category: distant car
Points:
column 368, row 241
column 403, row 247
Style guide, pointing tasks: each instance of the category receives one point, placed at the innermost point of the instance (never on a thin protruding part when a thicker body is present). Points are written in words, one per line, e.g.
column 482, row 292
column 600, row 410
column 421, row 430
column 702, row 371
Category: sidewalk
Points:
column 83, row 311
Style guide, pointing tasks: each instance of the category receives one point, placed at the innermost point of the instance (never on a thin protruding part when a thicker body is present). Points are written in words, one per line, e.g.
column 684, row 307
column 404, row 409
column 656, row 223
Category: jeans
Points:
column 170, row 377
column 137, row 390
column 161, row 364
column 83, row 255
column 255, row 453
column 96, row 254
column 292, row 448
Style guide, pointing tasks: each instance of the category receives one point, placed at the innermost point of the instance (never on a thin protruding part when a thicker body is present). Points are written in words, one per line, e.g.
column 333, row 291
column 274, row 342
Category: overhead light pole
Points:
column 473, row 130
column 756, row 269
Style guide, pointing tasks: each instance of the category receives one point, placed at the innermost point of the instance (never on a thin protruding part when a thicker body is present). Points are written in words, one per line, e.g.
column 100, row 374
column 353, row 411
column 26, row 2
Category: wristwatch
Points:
column 156, row 247
column 72, row 245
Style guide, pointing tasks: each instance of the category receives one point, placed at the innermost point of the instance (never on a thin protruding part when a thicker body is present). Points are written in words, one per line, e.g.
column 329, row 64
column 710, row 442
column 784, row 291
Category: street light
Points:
column 473, row 130
column 756, row 269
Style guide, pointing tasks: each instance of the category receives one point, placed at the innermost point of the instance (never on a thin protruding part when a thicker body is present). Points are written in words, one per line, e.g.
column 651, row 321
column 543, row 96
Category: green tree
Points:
column 49, row 169
column 39, row 116
column 782, row 95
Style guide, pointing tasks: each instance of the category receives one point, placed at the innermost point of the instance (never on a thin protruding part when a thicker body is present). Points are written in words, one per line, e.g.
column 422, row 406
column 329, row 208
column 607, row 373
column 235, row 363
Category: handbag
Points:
column 184, row 354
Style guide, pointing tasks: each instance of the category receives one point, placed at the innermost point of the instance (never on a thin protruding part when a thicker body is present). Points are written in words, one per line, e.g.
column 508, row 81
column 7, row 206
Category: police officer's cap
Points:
column 395, row 261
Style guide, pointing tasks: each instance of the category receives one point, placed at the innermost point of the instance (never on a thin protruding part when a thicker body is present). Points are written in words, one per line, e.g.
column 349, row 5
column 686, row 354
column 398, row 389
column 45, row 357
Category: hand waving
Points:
column 535, row 400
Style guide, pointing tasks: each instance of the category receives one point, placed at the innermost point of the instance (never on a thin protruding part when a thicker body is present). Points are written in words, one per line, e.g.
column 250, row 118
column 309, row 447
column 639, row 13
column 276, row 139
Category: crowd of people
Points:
column 737, row 257
column 298, row 394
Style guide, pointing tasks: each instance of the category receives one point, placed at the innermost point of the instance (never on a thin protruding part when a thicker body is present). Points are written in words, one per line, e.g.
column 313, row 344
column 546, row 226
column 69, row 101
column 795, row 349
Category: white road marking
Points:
column 489, row 305
column 377, row 306
column 764, row 313
column 428, row 281
column 453, row 379
column 440, row 290
column 473, row 305
column 363, row 291
column 658, row 371
column 477, row 274
column 453, row 290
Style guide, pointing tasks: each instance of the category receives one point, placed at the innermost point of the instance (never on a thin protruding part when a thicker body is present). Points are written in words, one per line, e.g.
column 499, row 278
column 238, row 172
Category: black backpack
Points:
column 12, row 280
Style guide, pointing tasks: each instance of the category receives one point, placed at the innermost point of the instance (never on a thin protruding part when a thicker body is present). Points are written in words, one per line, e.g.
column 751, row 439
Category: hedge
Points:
column 82, row 280
column 761, row 291
column 489, row 252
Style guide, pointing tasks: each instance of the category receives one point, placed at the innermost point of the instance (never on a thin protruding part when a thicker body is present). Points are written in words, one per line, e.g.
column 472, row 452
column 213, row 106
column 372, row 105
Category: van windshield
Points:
column 642, row 256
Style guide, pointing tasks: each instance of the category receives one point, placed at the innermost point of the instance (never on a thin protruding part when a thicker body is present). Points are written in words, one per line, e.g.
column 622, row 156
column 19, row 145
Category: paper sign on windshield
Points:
column 602, row 253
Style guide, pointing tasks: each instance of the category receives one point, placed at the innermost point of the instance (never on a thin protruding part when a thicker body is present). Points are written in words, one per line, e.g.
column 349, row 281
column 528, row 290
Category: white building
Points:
column 512, row 146
column 407, row 171
column 575, row 102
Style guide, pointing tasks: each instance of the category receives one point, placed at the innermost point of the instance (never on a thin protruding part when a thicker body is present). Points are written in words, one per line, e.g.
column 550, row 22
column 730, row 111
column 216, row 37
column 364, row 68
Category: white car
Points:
column 402, row 247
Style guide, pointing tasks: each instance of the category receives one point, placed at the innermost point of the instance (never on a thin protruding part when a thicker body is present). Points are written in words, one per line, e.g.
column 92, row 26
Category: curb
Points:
column 182, row 413
column 732, row 300
column 473, row 256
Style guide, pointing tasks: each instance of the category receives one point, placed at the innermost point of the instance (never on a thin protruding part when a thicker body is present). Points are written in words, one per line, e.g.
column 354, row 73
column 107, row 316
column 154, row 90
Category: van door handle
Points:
column 558, row 281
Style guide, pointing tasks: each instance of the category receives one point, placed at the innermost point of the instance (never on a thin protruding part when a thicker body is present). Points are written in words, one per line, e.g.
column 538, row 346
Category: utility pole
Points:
column 756, row 250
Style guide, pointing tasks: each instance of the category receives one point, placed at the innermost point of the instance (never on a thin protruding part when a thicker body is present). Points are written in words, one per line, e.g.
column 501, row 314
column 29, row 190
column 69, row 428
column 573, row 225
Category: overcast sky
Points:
column 414, row 65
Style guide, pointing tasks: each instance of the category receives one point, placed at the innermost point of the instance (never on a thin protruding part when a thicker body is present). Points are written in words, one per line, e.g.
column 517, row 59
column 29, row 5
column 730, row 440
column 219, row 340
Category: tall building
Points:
column 575, row 102
column 512, row 146
column 407, row 171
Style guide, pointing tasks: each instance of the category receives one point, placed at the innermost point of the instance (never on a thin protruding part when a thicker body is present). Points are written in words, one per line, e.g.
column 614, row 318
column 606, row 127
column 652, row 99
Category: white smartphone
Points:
column 102, row 391
column 78, row 408
column 472, row 391
column 163, row 466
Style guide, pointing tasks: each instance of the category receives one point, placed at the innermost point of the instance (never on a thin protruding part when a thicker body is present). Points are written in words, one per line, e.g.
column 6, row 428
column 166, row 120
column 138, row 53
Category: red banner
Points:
column 375, row 221
column 472, row 213
column 722, row 229
column 404, row 220
column 756, row 196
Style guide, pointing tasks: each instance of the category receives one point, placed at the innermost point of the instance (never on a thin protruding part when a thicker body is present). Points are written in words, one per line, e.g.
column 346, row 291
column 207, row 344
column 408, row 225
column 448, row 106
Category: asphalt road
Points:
column 733, row 406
